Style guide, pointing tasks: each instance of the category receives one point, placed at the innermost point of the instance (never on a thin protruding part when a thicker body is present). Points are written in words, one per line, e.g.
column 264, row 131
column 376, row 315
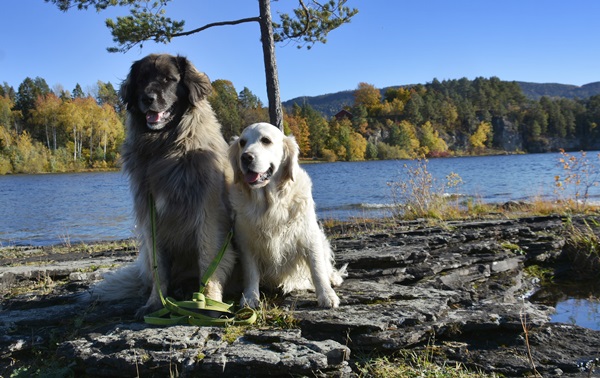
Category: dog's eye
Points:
column 265, row 140
column 242, row 142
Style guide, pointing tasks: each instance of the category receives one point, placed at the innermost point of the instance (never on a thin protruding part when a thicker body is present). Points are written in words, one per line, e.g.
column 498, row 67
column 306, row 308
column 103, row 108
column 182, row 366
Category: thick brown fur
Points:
column 175, row 155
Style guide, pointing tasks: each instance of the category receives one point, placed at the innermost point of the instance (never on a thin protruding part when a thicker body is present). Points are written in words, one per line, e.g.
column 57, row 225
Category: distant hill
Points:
column 327, row 104
column 330, row 104
column 534, row 91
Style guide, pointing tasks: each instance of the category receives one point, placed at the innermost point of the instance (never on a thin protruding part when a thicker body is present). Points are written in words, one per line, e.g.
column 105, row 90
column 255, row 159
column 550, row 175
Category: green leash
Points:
column 200, row 311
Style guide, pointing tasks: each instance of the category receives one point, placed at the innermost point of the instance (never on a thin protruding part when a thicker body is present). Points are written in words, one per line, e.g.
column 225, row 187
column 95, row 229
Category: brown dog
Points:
column 175, row 154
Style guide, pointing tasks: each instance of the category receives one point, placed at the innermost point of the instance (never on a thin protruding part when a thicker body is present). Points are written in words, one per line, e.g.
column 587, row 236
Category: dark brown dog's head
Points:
column 161, row 88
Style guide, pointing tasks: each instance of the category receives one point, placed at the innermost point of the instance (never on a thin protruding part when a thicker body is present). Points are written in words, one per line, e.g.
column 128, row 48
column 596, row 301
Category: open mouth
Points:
column 257, row 178
column 158, row 120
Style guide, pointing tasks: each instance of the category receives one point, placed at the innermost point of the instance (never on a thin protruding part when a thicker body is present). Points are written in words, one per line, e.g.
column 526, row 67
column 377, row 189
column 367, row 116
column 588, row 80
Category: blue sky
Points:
column 389, row 42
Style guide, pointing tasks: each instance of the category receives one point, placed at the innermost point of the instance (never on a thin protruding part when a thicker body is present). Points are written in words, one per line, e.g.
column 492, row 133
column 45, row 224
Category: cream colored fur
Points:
column 276, row 228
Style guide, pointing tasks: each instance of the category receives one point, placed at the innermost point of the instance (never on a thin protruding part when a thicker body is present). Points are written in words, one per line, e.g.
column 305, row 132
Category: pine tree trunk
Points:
column 268, row 44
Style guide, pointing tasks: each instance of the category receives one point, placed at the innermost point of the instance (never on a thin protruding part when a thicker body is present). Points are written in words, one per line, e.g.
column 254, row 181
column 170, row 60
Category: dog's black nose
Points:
column 148, row 98
column 247, row 158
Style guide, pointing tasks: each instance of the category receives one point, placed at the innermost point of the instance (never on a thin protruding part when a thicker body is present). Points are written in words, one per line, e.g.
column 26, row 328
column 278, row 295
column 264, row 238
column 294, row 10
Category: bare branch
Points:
column 221, row 23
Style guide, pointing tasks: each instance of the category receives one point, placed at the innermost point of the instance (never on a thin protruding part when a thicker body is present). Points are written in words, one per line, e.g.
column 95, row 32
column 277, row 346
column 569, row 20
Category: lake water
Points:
column 85, row 207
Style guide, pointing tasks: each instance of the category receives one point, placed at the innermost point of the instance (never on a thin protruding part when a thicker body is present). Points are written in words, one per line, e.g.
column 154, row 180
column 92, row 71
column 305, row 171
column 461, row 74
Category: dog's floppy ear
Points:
column 127, row 90
column 290, row 157
column 197, row 83
column 234, row 153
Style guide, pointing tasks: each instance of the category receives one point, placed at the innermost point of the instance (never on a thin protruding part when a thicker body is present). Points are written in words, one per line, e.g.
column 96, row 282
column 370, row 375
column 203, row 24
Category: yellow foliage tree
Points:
column 45, row 114
column 299, row 128
column 357, row 147
column 71, row 119
column 431, row 143
column 110, row 130
column 369, row 97
column 394, row 101
column 480, row 136
column 29, row 156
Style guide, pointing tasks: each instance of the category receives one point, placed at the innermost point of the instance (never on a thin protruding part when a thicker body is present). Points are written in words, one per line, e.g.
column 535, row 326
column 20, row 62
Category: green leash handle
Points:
column 200, row 311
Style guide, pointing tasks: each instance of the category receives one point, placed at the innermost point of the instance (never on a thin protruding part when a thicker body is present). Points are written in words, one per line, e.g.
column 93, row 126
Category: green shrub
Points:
column 420, row 195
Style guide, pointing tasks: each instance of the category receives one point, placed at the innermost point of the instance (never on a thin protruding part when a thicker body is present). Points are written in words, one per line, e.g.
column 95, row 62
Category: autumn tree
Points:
column 431, row 143
column 45, row 114
column 71, row 119
column 481, row 136
column 307, row 25
column 369, row 97
column 344, row 142
column 357, row 147
column 110, row 131
column 404, row 135
column 299, row 129
column 318, row 128
column 26, row 96
column 6, row 112
column 394, row 101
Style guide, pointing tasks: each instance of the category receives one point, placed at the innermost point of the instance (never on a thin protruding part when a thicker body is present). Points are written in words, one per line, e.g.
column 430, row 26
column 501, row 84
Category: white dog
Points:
column 276, row 228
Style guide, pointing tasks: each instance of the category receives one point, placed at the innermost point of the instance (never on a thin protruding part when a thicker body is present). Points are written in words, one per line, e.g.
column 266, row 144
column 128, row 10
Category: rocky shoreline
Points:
column 458, row 292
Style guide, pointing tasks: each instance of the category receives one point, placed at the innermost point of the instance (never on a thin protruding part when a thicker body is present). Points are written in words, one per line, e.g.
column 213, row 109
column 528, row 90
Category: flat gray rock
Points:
column 461, row 288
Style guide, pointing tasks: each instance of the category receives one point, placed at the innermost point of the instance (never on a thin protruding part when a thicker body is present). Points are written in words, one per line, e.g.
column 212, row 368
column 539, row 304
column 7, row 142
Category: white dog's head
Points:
column 263, row 154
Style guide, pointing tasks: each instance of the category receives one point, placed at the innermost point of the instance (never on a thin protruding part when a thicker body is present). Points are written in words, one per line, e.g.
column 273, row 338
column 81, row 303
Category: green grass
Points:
column 413, row 364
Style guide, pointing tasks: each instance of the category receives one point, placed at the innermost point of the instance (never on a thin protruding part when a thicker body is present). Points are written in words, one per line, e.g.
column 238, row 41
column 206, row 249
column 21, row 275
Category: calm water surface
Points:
column 52, row 208
column 47, row 209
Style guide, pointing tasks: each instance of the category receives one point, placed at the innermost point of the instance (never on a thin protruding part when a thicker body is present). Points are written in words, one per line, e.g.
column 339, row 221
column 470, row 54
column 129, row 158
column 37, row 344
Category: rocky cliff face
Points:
column 460, row 290
column 507, row 136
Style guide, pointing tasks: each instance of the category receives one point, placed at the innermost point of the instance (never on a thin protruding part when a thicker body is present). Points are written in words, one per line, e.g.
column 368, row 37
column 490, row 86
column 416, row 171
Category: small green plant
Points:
column 271, row 315
column 233, row 332
column 422, row 196
column 545, row 275
column 580, row 175
column 582, row 247
column 411, row 364
column 513, row 247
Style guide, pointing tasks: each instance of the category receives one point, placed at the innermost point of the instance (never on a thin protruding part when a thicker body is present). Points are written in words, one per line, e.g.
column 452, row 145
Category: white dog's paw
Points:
column 251, row 300
column 328, row 299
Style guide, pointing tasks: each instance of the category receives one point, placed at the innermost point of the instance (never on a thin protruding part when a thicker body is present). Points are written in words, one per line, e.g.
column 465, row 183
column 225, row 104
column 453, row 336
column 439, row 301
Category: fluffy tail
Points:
column 338, row 275
column 126, row 282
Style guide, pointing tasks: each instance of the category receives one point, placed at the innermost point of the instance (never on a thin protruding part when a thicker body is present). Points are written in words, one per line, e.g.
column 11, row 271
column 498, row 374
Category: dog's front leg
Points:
column 251, row 294
column 162, row 270
column 326, row 296
column 154, row 302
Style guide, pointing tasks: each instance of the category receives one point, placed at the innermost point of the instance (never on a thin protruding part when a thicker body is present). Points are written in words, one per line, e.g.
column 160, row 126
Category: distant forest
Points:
column 56, row 130
column 463, row 117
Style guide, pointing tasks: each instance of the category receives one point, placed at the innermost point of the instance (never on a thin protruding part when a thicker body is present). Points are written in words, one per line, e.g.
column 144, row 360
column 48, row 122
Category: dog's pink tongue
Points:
column 153, row 117
column 251, row 177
